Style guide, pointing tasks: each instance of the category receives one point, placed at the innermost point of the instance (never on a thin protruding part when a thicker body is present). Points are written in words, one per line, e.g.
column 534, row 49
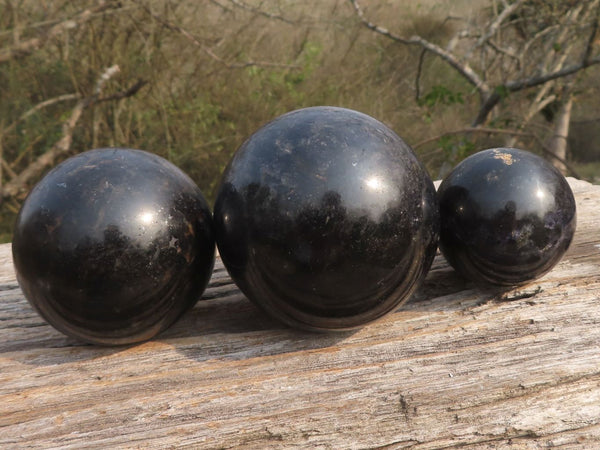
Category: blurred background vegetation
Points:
column 191, row 80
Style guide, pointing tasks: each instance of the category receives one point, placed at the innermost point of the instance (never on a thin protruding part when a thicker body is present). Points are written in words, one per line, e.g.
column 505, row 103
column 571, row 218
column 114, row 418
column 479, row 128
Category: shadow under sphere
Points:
column 326, row 219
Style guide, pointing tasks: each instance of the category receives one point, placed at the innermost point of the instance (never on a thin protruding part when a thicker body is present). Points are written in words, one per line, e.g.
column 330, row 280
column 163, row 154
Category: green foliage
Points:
column 288, row 82
column 456, row 148
column 589, row 171
column 441, row 95
column 204, row 96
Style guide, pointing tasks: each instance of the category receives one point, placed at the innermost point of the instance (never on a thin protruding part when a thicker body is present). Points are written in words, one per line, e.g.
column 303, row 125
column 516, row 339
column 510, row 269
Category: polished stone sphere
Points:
column 113, row 245
column 507, row 217
column 326, row 219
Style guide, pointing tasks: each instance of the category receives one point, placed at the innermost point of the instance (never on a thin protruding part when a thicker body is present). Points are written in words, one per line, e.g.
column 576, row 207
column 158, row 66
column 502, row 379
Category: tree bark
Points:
column 558, row 142
column 491, row 94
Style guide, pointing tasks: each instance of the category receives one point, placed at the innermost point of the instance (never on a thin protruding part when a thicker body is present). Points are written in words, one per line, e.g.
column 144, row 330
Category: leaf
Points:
column 440, row 95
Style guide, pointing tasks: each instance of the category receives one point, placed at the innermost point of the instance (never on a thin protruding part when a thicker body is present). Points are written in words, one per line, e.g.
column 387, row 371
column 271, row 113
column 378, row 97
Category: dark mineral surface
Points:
column 507, row 217
column 113, row 245
column 326, row 219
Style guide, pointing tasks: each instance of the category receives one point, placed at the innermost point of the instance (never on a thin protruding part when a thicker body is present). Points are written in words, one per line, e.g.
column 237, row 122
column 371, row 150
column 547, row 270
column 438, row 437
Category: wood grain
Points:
column 455, row 367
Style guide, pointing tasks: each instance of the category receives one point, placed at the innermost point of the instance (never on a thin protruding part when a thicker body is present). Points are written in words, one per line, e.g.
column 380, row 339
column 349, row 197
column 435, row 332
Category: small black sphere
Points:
column 326, row 219
column 113, row 245
column 507, row 217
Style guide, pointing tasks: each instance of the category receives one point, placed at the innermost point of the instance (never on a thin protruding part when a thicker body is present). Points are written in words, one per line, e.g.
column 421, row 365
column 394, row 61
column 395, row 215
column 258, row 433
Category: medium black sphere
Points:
column 113, row 245
column 507, row 217
column 326, row 219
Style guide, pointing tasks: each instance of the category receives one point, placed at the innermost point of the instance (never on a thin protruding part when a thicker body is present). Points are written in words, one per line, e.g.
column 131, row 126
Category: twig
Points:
column 493, row 27
column 549, row 152
column 504, row 51
column 525, row 83
column 462, row 67
column 126, row 93
column 46, row 23
column 542, row 98
column 193, row 39
column 517, row 85
column 25, row 152
column 220, row 5
column 24, row 48
column 489, row 97
column 470, row 130
column 418, row 75
column 3, row 164
column 590, row 43
column 260, row 12
column 485, row 130
column 534, row 38
column 106, row 75
column 63, row 145
column 11, row 173
column 39, row 106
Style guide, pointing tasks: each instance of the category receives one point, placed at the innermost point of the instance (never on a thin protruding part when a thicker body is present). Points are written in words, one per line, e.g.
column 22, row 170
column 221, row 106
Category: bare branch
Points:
column 50, row 22
column 462, row 34
column 467, row 130
column 106, row 75
column 564, row 41
column 491, row 97
column 63, row 145
column 504, row 51
column 220, row 5
column 7, row 168
column 493, row 27
column 24, row 48
column 39, row 106
column 130, row 92
column 485, row 130
column 261, row 12
column 562, row 38
column 547, row 151
column 486, row 108
column 540, row 101
column 536, row 37
column 592, row 39
column 194, row 40
column 525, row 83
column 462, row 67
column 418, row 76
column 542, row 98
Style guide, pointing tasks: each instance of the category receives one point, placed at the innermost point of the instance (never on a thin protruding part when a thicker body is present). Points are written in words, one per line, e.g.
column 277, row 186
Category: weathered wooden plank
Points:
column 456, row 366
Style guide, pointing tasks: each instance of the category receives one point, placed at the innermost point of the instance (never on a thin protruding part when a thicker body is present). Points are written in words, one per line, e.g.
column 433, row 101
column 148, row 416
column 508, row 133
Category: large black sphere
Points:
column 507, row 217
column 113, row 245
column 326, row 219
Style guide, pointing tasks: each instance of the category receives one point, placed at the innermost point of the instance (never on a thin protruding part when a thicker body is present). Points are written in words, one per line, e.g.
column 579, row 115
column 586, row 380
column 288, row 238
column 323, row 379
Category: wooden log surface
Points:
column 455, row 367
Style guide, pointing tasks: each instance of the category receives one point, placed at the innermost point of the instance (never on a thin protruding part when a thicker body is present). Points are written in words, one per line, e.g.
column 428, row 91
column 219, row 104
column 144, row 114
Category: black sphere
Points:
column 113, row 245
column 507, row 217
column 326, row 219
